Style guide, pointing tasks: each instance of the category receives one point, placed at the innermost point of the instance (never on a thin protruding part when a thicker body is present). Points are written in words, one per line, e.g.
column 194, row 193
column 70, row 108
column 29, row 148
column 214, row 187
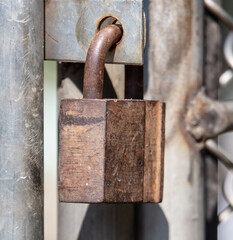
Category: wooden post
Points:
column 21, row 119
column 174, row 74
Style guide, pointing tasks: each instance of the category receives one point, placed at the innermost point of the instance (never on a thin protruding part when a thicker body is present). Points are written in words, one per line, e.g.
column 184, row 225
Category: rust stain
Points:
column 182, row 116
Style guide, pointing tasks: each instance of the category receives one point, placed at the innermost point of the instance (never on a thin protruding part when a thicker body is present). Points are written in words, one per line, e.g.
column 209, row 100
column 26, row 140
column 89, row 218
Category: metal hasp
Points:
column 70, row 25
column 21, row 117
column 207, row 118
column 110, row 150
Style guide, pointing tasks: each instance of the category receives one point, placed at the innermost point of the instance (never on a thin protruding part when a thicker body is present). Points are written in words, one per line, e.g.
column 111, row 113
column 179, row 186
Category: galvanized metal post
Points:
column 175, row 60
column 21, row 119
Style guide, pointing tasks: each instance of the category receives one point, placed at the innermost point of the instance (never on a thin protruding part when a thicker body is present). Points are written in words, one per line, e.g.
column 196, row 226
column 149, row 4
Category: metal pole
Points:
column 175, row 62
column 21, row 119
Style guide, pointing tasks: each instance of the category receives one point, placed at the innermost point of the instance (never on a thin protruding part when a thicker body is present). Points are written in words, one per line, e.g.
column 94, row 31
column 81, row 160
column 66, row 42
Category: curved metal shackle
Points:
column 94, row 66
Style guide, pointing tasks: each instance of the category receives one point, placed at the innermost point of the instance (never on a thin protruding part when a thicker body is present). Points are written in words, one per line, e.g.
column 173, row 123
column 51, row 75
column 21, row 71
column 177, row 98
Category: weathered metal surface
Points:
column 175, row 60
column 21, row 117
column 207, row 118
column 71, row 25
column 94, row 67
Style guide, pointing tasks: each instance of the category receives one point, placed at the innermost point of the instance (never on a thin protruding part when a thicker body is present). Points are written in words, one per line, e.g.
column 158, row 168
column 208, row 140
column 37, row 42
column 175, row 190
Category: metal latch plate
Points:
column 70, row 26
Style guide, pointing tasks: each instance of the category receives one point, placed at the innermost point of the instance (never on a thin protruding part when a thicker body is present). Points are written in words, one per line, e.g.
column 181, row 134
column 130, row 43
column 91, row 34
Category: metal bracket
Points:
column 207, row 118
column 70, row 25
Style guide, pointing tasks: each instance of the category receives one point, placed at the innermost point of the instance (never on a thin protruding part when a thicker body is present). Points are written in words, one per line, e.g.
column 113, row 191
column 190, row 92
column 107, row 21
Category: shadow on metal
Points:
column 112, row 221
column 108, row 221
column 154, row 223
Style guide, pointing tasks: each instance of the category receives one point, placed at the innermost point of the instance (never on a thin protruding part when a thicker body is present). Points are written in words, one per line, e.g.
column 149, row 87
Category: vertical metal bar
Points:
column 21, row 119
column 175, row 60
column 212, row 71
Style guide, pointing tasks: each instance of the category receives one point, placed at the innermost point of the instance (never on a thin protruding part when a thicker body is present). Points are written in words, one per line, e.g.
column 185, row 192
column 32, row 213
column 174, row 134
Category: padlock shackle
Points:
column 94, row 66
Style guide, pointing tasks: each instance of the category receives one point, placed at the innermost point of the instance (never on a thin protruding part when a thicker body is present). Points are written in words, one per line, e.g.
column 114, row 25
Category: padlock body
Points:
column 111, row 150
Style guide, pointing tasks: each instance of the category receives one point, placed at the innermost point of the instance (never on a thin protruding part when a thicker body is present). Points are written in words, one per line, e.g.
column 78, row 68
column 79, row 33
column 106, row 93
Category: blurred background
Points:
column 225, row 180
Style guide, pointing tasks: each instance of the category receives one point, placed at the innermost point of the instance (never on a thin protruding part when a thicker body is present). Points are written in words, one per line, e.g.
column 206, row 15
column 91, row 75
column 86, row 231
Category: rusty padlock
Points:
column 110, row 150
